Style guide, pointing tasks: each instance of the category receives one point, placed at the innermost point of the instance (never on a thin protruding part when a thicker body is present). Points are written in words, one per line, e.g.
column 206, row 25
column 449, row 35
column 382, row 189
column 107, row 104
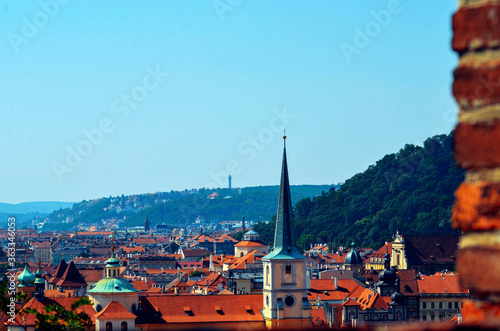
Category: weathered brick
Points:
column 476, row 28
column 478, row 268
column 477, row 207
column 477, row 145
column 477, row 87
column 483, row 313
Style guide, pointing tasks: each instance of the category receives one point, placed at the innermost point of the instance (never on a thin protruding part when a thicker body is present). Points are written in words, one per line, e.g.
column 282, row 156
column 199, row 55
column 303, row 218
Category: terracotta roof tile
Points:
column 201, row 309
column 114, row 309
column 439, row 284
column 71, row 277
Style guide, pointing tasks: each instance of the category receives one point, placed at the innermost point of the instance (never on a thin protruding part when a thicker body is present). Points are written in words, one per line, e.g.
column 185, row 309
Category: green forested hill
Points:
column 180, row 208
column 410, row 191
column 254, row 203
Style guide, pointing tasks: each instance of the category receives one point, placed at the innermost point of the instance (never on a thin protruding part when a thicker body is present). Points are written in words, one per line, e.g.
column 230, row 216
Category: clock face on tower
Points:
column 289, row 300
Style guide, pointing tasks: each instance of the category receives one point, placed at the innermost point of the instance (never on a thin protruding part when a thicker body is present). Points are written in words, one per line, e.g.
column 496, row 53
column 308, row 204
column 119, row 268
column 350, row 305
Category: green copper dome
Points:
column 113, row 285
column 353, row 257
column 112, row 262
column 26, row 278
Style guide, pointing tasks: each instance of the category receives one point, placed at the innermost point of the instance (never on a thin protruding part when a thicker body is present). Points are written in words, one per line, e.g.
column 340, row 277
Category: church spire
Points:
column 284, row 235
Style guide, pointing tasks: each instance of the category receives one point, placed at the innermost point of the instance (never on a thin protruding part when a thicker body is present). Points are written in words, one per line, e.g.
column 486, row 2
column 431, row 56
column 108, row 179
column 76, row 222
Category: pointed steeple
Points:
column 284, row 235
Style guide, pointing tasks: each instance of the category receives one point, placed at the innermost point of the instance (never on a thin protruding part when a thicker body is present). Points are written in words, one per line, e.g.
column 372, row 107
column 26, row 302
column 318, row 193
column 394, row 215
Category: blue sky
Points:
column 123, row 97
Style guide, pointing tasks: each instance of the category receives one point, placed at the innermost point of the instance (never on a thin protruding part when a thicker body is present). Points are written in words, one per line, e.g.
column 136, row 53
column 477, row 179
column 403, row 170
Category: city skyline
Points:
column 107, row 99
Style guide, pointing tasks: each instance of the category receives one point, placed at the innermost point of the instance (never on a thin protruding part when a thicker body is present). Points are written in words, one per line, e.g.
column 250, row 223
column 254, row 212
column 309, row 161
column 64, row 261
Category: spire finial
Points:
column 284, row 137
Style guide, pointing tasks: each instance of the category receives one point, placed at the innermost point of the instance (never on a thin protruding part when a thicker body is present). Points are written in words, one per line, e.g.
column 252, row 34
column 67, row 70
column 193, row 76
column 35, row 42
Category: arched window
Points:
column 98, row 308
column 267, row 275
column 124, row 326
column 109, row 326
column 134, row 308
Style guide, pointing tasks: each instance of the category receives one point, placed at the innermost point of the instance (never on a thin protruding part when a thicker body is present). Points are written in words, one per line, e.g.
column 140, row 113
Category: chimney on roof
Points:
column 336, row 283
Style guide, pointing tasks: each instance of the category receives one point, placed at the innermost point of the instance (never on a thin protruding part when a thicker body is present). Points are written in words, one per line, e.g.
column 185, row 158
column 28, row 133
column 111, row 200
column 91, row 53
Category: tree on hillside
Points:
column 411, row 191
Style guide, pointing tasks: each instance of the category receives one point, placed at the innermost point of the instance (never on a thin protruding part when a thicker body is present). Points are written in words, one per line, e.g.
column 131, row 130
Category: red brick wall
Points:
column 476, row 39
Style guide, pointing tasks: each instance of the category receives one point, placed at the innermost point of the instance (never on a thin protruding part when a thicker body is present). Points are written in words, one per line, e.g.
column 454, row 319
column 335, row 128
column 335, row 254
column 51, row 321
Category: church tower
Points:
column 285, row 281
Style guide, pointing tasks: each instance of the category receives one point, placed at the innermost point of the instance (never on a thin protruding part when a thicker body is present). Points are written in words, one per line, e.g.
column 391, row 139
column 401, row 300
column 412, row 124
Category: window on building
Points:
column 424, row 317
column 98, row 308
column 433, row 305
column 432, row 317
column 385, row 317
column 288, row 270
column 375, row 317
column 366, row 317
column 440, row 305
column 424, row 305
column 440, row 317
column 456, row 305
column 109, row 326
column 267, row 276
column 124, row 326
column 449, row 305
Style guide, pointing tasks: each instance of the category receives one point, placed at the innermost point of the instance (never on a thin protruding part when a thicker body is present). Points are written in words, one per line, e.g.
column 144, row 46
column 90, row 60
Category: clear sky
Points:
column 104, row 98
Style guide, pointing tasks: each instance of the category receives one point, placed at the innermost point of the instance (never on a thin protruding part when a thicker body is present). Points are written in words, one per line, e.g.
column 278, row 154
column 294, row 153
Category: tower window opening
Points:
column 288, row 270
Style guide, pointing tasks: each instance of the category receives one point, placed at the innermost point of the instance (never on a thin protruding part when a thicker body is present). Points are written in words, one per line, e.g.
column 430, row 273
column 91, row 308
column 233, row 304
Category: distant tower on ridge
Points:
column 243, row 225
column 229, row 180
column 146, row 224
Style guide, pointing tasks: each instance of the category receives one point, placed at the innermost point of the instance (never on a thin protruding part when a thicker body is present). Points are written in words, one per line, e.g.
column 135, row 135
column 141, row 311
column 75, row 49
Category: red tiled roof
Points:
column 318, row 317
column 91, row 275
column 142, row 285
column 247, row 243
column 94, row 233
column 154, row 290
column 201, row 309
column 71, row 277
column 135, row 249
column 225, row 292
column 351, row 302
column 431, row 249
column 408, row 283
column 370, row 299
column 61, row 268
column 145, row 241
column 114, row 309
column 212, row 279
column 439, row 284
column 204, row 238
column 325, row 288
column 195, row 252
column 225, row 238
